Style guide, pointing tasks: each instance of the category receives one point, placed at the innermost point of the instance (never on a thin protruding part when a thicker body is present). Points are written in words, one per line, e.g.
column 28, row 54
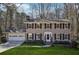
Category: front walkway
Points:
column 38, row 46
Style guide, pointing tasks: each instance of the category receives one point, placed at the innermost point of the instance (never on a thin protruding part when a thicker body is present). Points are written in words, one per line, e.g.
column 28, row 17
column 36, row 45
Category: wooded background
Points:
column 12, row 18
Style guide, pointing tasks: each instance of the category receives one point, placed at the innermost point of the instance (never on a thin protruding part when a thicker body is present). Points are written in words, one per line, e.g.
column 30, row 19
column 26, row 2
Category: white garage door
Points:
column 16, row 37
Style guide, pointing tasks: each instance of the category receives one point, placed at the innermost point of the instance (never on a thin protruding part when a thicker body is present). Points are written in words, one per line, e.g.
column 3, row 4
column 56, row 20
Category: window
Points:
column 60, row 25
column 32, row 25
column 63, row 25
column 56, row 26
column 38, row 36
column 57, row 36
column 61, row 36
column 46, row 25
column 54, row 36
column 37, row 25
column 66, row 25
column 30, row 36
column 29, row 25
column 50, row 25
column 40, row 26
column 67, row 36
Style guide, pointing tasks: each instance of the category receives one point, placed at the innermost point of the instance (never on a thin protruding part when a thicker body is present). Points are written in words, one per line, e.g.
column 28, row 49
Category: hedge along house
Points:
column 49, row 31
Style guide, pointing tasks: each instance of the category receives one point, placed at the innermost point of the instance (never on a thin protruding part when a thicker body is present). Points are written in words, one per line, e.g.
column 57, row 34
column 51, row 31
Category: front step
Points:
column 46, row 46
column 48, row 43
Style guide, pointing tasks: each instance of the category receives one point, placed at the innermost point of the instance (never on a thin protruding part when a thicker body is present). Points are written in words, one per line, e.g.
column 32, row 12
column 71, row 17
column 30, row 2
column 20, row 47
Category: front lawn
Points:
column 57, row 50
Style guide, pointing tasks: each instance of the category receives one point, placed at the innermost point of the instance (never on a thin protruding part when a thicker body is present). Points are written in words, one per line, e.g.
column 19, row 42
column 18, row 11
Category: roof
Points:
column 54, row 20
column 58, row 20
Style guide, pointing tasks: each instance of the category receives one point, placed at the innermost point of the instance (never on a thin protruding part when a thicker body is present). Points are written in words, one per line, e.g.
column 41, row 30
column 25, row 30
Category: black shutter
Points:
column 27, row 26
column 50, row 25
column 55, row 36
column 55, row 25
column 45, row 25
column 60, row 25
column 32, row 36
column 63, row 25
column 35, row 25
column 41, row 36
column 68, row 25
column 63, row 36
column 35, row 36
column 60, row 36
column 40, row 26
column 68, row 36
column 27, row 36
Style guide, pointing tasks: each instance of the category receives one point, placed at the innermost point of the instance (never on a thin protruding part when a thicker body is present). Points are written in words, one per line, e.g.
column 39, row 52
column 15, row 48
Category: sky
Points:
column 27, row 9
column 24, row 8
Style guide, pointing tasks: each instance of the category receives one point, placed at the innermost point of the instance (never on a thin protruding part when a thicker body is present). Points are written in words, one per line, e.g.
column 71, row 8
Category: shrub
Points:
column 34, row 42
column 3, row 39
column 61, row 42
column 74, row 44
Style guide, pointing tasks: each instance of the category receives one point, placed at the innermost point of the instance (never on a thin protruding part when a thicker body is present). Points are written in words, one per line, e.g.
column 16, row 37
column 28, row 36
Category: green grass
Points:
column 57, row 50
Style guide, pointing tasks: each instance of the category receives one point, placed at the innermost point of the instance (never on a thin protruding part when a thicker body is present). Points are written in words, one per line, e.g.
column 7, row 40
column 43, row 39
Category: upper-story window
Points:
column 61, row 25
column 57, row 36
column 46, row 25
column 32, row 25
column 65, row 25
column 56, row 25
column 38, row 25
column 29, row 25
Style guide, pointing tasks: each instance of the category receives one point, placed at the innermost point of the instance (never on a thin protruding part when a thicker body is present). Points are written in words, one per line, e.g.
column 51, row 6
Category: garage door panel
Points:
column 16, row 37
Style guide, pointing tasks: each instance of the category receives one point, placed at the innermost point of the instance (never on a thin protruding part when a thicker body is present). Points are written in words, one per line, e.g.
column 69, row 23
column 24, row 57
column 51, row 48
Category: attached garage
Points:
column 16, row 36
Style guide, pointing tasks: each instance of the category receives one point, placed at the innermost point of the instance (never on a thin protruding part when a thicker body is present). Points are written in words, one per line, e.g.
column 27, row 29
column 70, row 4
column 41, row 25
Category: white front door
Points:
column 48, row 36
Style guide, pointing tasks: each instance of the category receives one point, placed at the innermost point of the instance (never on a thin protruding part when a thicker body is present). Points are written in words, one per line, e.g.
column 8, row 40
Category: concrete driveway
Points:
column 12, row 42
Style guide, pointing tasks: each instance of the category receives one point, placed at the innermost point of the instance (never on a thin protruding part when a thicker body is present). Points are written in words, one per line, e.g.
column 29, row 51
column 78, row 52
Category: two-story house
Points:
column 49, row 30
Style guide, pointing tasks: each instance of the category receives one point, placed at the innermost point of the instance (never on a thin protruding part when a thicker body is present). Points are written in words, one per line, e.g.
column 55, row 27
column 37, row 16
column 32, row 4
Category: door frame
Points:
column 50, row 36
